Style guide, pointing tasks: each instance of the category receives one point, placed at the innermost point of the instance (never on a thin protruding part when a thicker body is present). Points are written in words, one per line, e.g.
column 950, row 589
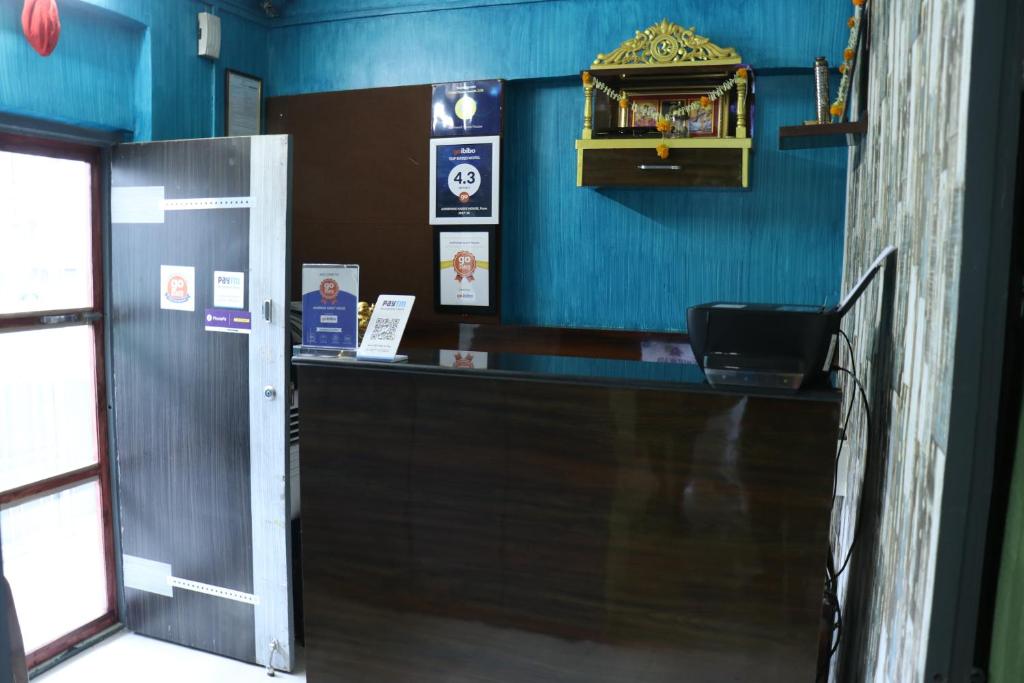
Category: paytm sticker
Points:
column 228, row 289
column 178, row 288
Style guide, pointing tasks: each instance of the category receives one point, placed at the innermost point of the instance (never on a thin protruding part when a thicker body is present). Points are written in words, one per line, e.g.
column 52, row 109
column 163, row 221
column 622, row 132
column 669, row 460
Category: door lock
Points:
column 270, row 392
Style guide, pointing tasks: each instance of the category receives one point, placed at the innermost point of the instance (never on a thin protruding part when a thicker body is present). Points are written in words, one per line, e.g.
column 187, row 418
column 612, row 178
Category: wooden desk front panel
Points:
column 463, row 529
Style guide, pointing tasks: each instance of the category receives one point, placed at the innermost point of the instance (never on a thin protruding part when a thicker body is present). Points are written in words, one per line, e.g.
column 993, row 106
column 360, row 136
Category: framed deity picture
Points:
column 464, row 180
column 704, row 122
column 646, row 112
column 708, row 121
column 466, row 278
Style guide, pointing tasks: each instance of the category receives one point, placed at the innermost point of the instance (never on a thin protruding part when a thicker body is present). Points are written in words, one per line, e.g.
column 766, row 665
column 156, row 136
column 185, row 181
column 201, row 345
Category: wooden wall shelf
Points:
column 822, row 135
column 699, row 93
column 692, row 162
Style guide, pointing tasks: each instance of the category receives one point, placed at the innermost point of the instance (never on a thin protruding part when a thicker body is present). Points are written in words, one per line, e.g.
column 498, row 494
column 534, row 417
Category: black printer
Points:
column 771, row 346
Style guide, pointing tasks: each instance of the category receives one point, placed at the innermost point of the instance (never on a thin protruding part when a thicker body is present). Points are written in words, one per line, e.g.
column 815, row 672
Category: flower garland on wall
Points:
column 838, row 107
column 664, row 125
column 689, row 109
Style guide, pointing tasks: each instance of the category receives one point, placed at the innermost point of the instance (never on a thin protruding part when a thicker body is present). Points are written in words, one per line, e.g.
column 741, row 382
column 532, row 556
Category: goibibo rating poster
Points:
column 464, row 177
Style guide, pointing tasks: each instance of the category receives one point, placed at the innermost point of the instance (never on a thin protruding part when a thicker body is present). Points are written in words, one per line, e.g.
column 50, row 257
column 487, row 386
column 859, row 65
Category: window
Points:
column 55, row 515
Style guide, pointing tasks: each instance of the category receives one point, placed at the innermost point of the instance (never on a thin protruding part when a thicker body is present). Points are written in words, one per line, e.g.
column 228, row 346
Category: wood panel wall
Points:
column 359, row 189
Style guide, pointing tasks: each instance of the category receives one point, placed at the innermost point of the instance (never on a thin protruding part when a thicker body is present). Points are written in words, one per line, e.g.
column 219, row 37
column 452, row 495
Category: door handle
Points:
column 268, row 310
column 658, row 167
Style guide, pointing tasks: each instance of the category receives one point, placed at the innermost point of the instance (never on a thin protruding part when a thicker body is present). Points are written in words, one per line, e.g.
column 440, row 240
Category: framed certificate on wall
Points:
column 464, row 180
column 466, row 276
column 243, row 104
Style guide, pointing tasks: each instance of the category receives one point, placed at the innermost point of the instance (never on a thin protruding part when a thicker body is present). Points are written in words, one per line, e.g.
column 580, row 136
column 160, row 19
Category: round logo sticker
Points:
column 329, row 291
column 464, row 264
column 465, row 107
column 177, row 290
column 464, row 181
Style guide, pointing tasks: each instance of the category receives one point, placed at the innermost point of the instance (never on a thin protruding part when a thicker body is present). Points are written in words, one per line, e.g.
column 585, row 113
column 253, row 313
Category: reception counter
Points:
column 471, row 516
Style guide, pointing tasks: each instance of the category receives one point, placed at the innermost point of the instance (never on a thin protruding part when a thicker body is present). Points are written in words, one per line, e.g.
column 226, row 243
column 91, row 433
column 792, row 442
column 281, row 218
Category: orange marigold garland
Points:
column 838, row 107
column 664, row 125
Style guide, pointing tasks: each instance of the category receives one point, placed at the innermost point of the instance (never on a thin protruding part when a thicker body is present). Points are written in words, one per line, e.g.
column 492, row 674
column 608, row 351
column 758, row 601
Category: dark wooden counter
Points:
column 559, row 519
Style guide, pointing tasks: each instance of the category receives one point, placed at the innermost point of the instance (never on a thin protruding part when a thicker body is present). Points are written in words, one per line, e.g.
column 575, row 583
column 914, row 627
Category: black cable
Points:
column 867, row 452
column 853, row 359
column 846, row 422
column 838, row 628
column 832, row 575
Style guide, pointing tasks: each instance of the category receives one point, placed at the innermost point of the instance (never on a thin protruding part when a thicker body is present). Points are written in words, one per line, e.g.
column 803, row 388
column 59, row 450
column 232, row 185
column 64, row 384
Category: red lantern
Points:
column 40, row 23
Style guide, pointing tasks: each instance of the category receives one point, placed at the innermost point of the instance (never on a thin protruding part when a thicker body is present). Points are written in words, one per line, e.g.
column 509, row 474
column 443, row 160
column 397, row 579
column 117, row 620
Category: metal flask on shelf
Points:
column 821, row 89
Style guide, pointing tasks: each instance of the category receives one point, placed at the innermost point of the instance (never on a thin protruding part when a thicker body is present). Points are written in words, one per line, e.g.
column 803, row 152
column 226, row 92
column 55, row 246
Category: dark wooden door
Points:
column 199, row 234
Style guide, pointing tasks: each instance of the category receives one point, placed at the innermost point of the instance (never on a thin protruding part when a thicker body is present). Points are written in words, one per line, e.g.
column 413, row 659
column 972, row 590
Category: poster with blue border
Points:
column 330, row 293
column 466, row 108
column 464, row 180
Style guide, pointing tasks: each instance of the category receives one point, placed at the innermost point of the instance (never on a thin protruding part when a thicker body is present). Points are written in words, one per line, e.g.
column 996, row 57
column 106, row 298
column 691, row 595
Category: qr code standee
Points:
column 385, row 329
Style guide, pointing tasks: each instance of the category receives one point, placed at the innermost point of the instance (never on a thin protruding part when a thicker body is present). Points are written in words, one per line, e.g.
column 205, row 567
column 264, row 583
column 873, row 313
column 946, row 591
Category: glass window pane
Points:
column 47, row 403
column 53, row 558
column 46, row 233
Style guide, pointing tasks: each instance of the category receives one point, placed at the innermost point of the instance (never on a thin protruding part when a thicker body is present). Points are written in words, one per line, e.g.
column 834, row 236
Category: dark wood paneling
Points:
column 464, row 529
column 182, row 413
column 697, row 168
column 552, row 341
column 359, row 189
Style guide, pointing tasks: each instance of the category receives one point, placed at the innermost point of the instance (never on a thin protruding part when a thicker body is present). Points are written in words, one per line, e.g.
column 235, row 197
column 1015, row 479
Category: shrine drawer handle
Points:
column 659, row 167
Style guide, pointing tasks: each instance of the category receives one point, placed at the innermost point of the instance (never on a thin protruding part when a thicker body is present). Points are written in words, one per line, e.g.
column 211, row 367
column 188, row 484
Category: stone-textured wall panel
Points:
column 905, row 188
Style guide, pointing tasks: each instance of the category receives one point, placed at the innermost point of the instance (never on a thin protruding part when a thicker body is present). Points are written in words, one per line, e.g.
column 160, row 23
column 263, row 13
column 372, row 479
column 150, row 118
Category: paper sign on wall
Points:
column 228, row 289
column 464, row 180
column 466, row 108
column 385, row 329
column 464, row 268
column 178, row 288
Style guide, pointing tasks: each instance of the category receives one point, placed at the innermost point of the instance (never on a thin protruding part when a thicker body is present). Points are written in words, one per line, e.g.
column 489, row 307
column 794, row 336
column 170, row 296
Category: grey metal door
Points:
column 199, row 252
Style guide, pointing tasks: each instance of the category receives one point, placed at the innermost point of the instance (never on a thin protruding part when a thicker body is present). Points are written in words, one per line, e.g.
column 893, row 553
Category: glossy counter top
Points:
column 672, row 367
column 559, row 520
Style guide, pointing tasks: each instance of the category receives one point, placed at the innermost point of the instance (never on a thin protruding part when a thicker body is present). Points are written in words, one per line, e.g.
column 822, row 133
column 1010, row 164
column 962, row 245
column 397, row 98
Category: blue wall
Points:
column 509, row 39
column 622, row 258
column 635, row 259
column 128, row 65
column 90, row 77
column 611, row 258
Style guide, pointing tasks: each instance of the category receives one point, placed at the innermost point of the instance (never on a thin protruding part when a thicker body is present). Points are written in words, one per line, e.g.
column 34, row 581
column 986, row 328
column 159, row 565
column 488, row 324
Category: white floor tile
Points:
column 131, row 658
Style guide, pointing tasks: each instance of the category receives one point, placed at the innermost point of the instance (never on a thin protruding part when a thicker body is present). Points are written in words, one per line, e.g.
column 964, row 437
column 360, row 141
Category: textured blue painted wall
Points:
column 527, row 40
column 89, row 78
column 128, row 64
column 635, row 259
column 622, row 258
